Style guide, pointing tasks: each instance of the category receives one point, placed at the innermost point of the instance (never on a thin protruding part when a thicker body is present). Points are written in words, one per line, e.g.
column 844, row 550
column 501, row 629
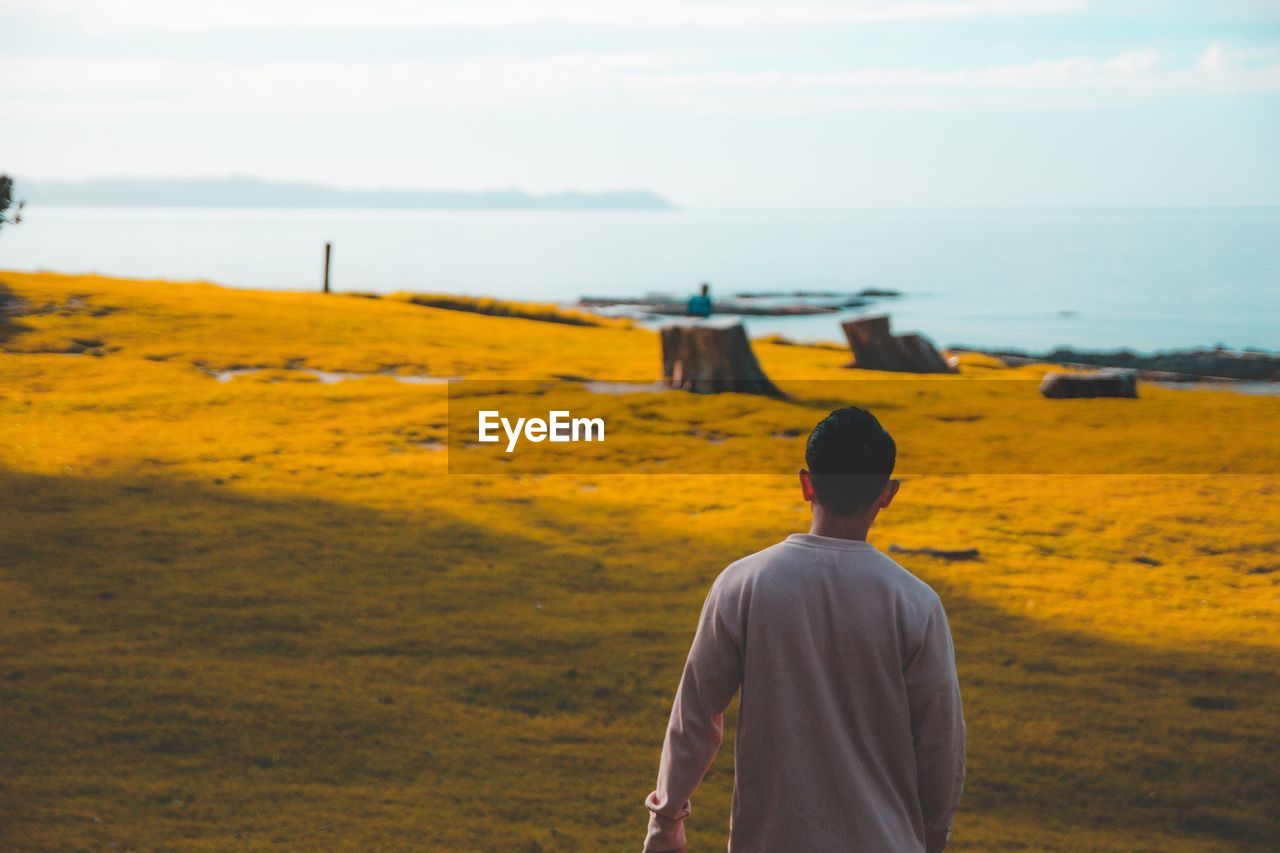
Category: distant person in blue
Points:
column 700, row 305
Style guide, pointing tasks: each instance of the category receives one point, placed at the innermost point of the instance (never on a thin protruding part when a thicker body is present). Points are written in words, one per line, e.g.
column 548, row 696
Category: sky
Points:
column 712, row 104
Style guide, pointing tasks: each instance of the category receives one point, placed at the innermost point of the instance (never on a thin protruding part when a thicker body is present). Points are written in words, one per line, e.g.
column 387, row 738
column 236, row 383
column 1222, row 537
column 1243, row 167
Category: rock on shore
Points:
column 1174, row 365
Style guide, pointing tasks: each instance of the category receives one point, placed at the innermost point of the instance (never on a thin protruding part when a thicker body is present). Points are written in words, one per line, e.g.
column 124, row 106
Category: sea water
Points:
column 1146, row 279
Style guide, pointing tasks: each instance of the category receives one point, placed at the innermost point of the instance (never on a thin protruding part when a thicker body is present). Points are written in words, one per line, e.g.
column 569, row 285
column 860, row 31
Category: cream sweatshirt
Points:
column 850, row 735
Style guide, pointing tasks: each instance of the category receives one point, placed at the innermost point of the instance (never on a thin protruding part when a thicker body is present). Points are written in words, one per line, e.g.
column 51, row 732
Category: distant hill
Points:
column 243, row 191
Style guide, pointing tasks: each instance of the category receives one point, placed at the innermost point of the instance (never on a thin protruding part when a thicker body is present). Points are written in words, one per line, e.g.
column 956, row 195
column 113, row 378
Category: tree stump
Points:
column 1064, row 386
column 710, row 358
column 874, row 348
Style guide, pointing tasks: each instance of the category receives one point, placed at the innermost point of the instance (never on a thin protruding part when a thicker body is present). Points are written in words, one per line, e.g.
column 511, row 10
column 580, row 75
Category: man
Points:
column 699, row 305
column 850, row 735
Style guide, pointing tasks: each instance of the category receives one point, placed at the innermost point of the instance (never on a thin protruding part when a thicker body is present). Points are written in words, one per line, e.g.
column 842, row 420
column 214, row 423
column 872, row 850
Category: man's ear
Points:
column 889, row 493
column 806, row 486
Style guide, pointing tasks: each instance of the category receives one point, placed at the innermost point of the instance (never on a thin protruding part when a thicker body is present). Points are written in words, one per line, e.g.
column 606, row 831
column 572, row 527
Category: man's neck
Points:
column 834, row 526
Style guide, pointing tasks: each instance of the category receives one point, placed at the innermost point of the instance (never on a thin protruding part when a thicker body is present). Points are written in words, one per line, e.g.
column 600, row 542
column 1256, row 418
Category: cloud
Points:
column 1226, row 69
column 165, row 15
column 1120, row 72
column 52, row 86
column 628, row 81
column 1221, row 58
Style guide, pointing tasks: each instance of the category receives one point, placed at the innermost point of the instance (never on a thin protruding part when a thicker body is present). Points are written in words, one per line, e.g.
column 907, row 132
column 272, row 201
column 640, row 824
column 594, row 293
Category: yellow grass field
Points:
column 260, row 612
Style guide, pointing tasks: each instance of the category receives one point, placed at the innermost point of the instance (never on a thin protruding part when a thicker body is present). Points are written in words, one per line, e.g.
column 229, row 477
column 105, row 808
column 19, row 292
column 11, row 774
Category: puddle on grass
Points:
column 603, row 387
column 329, row 377
column 416, row 379
column 596, row 386
column 1240, row 387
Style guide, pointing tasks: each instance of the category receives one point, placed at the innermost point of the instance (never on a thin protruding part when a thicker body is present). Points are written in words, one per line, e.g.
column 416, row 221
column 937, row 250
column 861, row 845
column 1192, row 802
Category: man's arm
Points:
column 712, row 674
column 937, row 726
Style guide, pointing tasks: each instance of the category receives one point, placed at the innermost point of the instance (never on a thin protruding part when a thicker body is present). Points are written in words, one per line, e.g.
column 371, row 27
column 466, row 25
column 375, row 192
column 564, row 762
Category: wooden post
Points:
column 328, row 247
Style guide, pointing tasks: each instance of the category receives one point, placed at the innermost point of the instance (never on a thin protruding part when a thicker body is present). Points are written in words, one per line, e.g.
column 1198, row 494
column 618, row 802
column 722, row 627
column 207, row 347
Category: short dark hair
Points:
column 850, row 458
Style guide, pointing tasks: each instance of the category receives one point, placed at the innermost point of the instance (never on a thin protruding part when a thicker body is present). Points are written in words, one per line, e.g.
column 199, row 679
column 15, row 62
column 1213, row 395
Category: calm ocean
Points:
column 1146, row 279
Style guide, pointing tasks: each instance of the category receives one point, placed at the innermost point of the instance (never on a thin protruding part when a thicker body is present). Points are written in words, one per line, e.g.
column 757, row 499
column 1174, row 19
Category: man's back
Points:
column 849, row 733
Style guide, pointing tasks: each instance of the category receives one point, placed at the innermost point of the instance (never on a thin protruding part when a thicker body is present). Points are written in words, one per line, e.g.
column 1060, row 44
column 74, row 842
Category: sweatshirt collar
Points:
column 815, row 541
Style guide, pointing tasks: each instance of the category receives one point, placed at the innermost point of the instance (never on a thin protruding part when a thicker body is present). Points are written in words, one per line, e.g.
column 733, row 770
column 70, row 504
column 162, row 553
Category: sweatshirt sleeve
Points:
column 711, row 676
column 937, row 727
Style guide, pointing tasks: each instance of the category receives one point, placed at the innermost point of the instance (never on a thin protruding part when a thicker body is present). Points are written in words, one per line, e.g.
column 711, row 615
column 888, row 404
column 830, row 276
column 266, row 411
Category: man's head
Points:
column 850, row 458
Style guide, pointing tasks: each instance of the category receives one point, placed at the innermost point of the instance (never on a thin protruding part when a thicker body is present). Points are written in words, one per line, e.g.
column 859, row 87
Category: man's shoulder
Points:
column 909, row 583
column 744, row 572
column 752, row 564
column 873, row 566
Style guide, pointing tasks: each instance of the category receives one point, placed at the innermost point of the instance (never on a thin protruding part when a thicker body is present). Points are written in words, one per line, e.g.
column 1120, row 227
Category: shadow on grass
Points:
column 9, row 304
column 182, row 660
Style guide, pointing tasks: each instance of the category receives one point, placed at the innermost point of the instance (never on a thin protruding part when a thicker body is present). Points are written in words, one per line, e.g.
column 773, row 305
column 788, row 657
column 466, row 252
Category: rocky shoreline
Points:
column 1192, row 365
column 765, row 303
column 1204, row 364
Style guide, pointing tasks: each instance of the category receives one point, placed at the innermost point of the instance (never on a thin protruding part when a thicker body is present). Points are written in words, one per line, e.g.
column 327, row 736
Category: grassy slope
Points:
column 261, row 611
